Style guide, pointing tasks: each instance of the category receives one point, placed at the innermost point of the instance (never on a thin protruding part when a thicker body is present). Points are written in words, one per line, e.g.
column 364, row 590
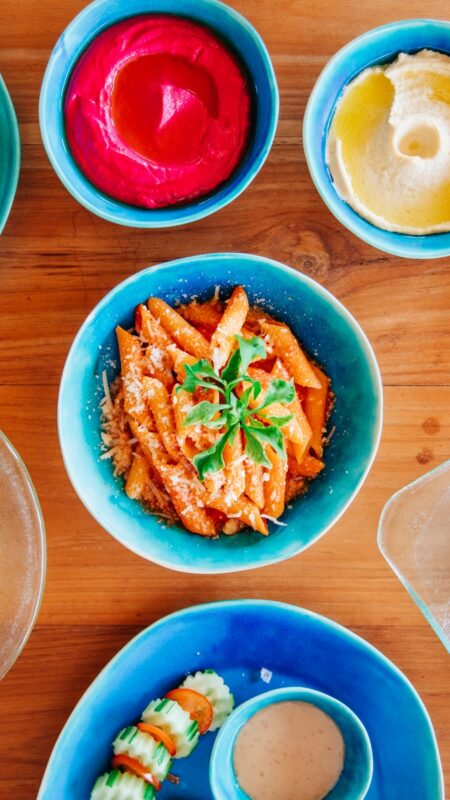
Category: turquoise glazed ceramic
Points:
column 233, row 29
column 377, row 46
column 239, row 639
column 327, row 331
column 9, row 154
column 358, row 764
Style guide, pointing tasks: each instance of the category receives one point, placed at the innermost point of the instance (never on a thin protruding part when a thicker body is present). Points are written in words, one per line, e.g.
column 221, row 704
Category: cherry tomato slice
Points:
column 132, row 765
column 197, row 706
column 159, row 736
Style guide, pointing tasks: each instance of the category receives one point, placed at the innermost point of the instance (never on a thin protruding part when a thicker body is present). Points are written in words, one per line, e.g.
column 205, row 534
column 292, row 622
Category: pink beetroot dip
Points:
column 157, row 111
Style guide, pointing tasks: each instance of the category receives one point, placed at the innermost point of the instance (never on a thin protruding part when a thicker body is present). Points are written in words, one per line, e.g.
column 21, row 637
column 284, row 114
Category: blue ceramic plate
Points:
column 378, row 46
column 238, row 639
column 328, row 332
column 230, row 26
column 9, row 153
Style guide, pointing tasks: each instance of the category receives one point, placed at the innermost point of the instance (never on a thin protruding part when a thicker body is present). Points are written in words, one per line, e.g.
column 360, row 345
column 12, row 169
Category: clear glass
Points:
column 22, row 555
column 414, row 537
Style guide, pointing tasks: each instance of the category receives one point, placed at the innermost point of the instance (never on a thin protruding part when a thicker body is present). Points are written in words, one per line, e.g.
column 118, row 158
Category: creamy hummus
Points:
column 388, row 149
column 157, row 111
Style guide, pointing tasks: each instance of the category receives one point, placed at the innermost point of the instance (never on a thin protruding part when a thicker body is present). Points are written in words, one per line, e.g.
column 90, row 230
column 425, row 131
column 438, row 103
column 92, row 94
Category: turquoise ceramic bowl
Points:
column 356, row 775
column 327, row 330
column 9, row 154
column 231, row 27
column 377, row 46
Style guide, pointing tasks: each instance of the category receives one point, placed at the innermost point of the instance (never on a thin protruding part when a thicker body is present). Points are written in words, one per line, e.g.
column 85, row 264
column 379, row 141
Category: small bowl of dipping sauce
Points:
column 293, row 744
column 376, row 133
column 156, row 113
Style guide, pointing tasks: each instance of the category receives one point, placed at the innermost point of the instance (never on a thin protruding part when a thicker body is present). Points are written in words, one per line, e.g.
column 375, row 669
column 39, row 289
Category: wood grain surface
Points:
column 56, row 262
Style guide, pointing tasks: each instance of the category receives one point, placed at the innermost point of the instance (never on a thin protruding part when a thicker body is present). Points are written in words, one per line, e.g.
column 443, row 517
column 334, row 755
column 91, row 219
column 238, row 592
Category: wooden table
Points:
column 57, row 260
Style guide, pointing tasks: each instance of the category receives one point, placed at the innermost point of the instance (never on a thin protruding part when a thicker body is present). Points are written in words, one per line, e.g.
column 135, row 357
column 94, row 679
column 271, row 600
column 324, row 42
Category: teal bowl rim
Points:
column 193, row 261
column 298, row 611
column 403, row 245
column 43, row 545
column 414, row 594
column 170, row 216
column 222, row 751
column 16, row 150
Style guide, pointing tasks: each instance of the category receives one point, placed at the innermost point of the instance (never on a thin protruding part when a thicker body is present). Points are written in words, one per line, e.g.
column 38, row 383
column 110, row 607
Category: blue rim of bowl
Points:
column 302, row 278
column 183, row 214
column 43, row 546
column 15, row 148
column 349, row 218
column 258, row 702
column 422, row 605
column 178, row 616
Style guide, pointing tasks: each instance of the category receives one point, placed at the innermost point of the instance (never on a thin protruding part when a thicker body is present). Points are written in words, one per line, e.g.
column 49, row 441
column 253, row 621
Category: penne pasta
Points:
column 243, row 510
column 254, row 486
column 131, row 362
column 294, row 430
column 157, row 356
column 234, row 472
column 137, row 477
column 182, row 403
column 179, row 358
column 309, row 468
column 254, row 317
column 184, row 334
column 303, row 428
column 150, row 444
column 158, row 399
column 230, row 324
column 203, row 314
column 188, row 497
column 286, row 347
column 315, row 405
column 275, row 485
column 151, row 329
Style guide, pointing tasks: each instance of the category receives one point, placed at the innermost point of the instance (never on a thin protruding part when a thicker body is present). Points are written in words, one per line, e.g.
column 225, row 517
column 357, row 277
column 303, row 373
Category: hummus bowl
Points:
column 327, row 331
column 238, row 36
column 380, row 46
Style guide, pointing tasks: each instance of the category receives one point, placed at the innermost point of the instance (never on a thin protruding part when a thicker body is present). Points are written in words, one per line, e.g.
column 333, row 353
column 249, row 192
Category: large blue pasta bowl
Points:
column 328, row 332
column 378, row 46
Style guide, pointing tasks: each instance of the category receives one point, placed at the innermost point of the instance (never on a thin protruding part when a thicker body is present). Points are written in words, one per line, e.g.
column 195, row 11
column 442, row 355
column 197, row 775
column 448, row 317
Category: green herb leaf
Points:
column 248, row 350
column 257, row 389
column 269, row 434
column 220, row 422
column 211, row 460
column 195, row 373
column 203, row 412
column 279, row 391
column 245, row 397
column 280, row 422
column 254, row 449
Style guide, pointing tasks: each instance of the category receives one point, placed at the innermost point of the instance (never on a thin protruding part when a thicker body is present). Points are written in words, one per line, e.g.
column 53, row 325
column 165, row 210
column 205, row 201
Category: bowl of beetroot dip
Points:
column 156, row 113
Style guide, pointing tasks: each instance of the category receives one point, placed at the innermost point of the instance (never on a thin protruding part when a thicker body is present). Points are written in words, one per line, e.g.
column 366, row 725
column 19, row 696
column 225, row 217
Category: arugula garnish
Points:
column 237, row 411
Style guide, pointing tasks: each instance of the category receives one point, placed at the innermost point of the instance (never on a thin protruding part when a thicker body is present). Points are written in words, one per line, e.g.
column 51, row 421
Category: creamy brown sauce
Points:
column 289, row 751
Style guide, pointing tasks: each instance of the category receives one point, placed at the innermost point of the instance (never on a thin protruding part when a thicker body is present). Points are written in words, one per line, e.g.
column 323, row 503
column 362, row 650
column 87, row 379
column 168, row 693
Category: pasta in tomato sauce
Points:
column 218, row 418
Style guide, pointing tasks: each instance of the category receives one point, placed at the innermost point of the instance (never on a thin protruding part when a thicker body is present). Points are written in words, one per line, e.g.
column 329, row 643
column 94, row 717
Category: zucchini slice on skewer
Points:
column 118, row 785
column 143, row 747
column 172, row 719
column 212, row 686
